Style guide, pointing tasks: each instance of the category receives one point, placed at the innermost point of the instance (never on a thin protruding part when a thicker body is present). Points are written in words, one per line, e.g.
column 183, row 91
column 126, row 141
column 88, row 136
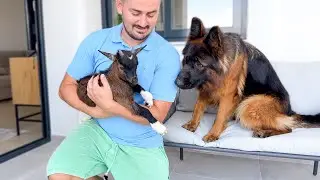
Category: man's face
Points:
column 139, row 16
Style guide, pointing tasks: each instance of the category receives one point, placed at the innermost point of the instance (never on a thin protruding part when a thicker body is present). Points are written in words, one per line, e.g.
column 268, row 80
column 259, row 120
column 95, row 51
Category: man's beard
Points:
column 134, row 37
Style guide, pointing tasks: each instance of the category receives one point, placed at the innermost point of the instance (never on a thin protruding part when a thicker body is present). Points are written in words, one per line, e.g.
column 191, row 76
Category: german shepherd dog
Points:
column 236, row 77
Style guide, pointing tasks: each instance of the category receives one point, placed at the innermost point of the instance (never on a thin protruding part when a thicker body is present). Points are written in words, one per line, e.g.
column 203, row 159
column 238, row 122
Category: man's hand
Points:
column 68, row 93
column 100, row 95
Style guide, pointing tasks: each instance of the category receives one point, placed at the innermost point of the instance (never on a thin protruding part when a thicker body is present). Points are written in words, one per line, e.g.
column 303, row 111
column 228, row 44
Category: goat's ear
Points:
column 121, row 53
column 197, row 29
column 136, row 51
column 108, row 55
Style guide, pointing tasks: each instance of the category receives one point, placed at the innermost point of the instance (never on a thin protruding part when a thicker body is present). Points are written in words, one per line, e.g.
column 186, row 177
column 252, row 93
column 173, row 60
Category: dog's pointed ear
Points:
column 197, row 29
column 136, row 51
column 108, row 55
column 214, row 40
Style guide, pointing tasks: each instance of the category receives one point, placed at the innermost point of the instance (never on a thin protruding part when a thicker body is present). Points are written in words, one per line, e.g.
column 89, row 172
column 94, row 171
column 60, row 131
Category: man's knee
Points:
column 63, row 177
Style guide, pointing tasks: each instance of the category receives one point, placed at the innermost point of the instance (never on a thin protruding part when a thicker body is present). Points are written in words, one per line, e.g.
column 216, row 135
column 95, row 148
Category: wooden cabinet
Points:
column 24, row 75
column 25, row 80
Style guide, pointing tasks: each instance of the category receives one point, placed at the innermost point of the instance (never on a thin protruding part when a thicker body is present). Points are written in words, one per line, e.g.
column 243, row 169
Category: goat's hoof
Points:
column 148, row 98
column 159, row 128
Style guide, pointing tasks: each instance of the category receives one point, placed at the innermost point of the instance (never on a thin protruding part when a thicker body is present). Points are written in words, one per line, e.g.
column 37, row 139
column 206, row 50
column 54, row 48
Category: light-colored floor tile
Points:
column 195, row 166
column 30, row 165
column 286, row 160
column 275, row 170
column 29, row 131
column 219, row 167
column 174, row 156
column 177, row 176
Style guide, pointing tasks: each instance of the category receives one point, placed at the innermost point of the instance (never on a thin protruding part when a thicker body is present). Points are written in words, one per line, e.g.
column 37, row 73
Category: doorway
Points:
column 24, row 107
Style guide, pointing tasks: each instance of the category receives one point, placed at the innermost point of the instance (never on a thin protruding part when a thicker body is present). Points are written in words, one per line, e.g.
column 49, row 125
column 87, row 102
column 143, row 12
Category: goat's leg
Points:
column 147, row 96
column 137, row 88
column 144, row 112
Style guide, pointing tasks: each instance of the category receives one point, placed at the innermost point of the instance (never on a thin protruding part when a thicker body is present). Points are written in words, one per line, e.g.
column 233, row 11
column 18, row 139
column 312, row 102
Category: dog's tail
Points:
column 297, row 121
column 265, row 112
column 307, row 121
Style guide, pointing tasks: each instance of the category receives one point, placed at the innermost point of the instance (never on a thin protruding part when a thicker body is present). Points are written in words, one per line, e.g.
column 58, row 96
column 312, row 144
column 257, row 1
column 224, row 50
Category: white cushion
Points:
column 300, row 141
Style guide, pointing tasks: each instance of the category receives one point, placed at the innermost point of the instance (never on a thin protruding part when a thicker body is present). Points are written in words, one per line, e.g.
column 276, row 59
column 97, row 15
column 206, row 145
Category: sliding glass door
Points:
column 24, row 111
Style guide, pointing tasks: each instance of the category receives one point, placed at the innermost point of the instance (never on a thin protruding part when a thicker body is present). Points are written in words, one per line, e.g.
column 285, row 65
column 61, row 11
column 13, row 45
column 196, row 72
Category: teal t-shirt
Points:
column 159, row 64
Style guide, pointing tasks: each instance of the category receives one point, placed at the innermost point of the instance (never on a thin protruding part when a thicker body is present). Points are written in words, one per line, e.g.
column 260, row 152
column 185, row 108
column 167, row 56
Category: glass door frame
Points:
column 46, row 132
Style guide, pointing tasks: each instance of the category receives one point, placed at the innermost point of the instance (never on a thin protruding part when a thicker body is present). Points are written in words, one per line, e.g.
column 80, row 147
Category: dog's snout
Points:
column 184, row 76
column 182, row 79
column 178, row 82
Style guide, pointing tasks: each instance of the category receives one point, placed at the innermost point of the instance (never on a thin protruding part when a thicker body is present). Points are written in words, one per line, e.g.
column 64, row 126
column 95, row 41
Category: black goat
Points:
column 123, row 82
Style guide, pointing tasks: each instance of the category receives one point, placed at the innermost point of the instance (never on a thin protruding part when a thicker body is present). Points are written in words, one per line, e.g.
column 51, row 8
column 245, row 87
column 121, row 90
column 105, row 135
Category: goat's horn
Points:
column 121, row 53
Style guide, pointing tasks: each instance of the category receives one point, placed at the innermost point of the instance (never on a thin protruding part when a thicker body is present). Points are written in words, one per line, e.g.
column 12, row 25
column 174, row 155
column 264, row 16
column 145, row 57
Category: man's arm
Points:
column 159, row 108
column 68, row 93
column 163, row 88
column 101, row 96
column 159, row 111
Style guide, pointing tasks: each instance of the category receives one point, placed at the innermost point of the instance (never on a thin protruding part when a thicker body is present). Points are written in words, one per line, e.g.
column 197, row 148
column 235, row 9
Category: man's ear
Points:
column 197, row 29
column 214, row 40
column 108, row 55
column 119, row 6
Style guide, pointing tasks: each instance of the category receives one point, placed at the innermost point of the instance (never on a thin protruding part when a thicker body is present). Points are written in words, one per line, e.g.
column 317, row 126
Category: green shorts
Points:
column 88, row 151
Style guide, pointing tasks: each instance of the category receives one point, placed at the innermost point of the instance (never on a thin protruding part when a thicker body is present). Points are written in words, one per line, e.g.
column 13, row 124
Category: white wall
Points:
column 286, row 31
column 13, row 35
column 66, row 23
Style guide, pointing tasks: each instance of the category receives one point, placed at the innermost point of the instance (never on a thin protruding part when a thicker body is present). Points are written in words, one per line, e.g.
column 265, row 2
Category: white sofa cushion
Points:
column 301, row 81
column 187, row 100
column 300, row 141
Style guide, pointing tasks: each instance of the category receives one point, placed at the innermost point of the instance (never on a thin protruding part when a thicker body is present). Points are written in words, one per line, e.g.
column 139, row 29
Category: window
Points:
column 175, row 16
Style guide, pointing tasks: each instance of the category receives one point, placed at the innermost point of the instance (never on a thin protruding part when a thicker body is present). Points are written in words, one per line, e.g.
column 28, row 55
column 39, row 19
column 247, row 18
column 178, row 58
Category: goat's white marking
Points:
column 148, row 98
column 130, row 57
column 159, row 128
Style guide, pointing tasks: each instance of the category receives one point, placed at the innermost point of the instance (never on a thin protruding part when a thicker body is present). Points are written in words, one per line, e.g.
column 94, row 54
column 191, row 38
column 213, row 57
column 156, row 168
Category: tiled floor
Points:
column 195, row 166
column 29, row 131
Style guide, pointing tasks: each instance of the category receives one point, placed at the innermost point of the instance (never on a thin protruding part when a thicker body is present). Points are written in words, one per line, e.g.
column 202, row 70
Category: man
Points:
column 114, row 139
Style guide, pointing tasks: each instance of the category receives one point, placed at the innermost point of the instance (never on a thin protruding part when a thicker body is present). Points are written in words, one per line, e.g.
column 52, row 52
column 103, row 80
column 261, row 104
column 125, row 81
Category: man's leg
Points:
column 140, row 164
column 81, row 154
column 69, row 177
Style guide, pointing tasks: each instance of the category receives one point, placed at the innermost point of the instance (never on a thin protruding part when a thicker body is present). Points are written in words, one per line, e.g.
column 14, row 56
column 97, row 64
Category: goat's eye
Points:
column 200, row 65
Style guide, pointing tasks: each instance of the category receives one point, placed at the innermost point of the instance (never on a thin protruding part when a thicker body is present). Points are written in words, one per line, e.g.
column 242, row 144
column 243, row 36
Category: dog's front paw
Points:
column 190, row 126
column 210, row 138
column 148, row 98
column 159, row 128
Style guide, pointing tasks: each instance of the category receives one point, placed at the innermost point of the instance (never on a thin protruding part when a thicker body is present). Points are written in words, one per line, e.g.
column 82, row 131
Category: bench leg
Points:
column 181, row 154
column 315, row 168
